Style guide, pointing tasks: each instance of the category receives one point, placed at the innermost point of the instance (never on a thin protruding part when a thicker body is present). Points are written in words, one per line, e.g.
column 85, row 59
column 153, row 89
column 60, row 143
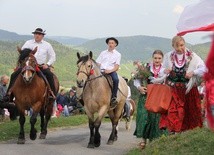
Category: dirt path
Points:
column 73, row 141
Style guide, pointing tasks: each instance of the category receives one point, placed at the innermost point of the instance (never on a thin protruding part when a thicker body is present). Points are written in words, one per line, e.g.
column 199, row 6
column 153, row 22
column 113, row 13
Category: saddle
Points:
column 40, row 74
column 109, row 80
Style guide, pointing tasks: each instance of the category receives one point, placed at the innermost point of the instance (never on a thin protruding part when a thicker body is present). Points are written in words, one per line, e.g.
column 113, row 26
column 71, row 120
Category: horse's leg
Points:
column 42, row 115
column 114, row 116
column 33, row 131
column 21, row 138
column 112, row 135
column 101, row 113
column 91, row 127
column 97, row 136
column 48, row 113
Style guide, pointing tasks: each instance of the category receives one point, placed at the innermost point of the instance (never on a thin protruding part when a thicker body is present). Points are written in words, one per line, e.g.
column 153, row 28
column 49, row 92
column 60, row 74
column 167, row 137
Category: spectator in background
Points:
column 71, row 100
column 60, row 101
column 61, row 97
column 127, row 106
column 3, row 89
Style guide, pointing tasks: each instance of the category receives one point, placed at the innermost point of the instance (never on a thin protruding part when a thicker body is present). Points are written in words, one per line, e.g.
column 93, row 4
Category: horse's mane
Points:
column 24, row 54
column 85, row 59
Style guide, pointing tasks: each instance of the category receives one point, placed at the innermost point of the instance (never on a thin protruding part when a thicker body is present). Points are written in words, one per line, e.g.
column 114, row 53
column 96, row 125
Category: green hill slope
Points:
column 141, row 47
column 65, row 66
column 194, row 142
column 132, row 48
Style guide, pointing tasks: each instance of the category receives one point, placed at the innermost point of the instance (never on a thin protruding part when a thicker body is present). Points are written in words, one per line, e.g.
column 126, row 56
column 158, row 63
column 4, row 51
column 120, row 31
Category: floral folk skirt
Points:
column 147, row 123
column 184, row 112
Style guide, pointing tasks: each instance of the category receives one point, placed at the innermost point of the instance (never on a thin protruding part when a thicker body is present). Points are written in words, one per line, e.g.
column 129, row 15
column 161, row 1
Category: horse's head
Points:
column 85, row 68
column 28, row 63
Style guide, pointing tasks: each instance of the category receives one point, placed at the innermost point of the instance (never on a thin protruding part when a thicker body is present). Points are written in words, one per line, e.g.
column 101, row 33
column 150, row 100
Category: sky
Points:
column 96, row 18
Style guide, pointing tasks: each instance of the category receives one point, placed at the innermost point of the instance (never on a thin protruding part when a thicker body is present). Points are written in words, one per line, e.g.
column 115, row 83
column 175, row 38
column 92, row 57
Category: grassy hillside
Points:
column 202, row 49
column 132, row 48
column 195, row 142
column 65, row 66
column 141, row 47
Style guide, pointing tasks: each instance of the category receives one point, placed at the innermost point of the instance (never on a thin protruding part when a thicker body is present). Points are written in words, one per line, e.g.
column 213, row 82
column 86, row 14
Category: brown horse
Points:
column 95, row 91
column 31, row 91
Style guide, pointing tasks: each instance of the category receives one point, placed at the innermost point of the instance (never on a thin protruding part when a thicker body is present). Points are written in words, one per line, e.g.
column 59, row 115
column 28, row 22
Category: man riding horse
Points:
column 45, row 57
column 109, row 62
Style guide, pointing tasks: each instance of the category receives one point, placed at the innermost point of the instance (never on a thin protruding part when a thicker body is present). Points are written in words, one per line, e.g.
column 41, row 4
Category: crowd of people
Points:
column 181, row 70
column 67, row 103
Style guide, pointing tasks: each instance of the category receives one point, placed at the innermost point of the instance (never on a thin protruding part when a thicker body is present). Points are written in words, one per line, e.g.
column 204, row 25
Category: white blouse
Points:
column 137, row 82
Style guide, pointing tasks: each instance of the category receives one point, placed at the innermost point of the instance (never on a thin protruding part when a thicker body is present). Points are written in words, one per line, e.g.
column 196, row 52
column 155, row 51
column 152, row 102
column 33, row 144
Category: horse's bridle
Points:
column 88, row 74
column 25, row 68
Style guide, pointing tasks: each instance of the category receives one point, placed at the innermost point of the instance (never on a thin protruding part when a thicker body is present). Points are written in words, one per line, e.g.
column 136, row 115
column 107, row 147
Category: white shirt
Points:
column 137, row 82
column 45, row 53
column 108, row 59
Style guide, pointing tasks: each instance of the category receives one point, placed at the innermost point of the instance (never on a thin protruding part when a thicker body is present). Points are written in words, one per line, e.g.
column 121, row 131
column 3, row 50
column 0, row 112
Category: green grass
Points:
column 10, row 129
column 195, row 142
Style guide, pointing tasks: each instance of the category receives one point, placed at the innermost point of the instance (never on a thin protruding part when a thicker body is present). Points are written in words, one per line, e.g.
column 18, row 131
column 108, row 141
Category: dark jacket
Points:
column 60, row 99
column 71, row 100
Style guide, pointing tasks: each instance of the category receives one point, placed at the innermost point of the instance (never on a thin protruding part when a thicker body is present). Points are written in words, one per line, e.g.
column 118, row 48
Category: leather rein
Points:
column 88, row 74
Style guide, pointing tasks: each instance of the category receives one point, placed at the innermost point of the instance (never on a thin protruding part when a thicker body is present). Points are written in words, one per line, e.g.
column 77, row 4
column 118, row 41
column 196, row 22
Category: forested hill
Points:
column 141, row 47
column 65, row 66
column 66, row 40
column 132, row 48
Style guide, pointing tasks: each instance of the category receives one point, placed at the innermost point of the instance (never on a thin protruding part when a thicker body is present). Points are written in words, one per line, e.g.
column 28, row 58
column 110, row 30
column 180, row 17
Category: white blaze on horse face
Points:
column 28, row 73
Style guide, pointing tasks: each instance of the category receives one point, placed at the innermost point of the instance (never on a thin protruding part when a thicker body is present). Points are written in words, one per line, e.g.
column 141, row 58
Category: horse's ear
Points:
column 90, row 55
column 78, row 55
column 35, row 50
column 19, row 49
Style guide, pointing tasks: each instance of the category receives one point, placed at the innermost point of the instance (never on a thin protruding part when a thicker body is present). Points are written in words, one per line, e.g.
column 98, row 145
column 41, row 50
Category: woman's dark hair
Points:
column 158, row 52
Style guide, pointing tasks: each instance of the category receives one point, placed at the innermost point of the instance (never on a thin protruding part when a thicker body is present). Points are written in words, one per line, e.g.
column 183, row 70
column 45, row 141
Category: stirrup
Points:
column 52, row 96
column 113, row 103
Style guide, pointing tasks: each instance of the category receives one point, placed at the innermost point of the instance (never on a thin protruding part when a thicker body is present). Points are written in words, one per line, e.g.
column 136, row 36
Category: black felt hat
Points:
column 39, row 31
column 112, row 38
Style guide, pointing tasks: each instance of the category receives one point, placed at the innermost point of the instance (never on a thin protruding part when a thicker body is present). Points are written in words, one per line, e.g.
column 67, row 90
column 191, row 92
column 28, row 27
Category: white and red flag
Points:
column 197, row 17
column 200, row 17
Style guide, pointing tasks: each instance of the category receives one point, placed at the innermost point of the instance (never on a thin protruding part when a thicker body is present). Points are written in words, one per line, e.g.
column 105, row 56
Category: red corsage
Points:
column 91, row 71
column 188, row 53
column 37, row 68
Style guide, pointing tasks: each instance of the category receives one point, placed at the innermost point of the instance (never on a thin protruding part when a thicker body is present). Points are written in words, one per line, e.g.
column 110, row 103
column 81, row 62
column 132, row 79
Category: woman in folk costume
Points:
column 184, row 68
column 147, row 123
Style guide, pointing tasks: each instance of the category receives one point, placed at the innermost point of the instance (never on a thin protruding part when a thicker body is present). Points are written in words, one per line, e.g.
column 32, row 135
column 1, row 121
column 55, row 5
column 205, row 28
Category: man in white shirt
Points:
column 45, row 57
column 109, row 62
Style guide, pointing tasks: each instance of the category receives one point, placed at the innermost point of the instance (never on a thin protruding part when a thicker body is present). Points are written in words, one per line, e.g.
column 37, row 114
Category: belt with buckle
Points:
column 176, row 84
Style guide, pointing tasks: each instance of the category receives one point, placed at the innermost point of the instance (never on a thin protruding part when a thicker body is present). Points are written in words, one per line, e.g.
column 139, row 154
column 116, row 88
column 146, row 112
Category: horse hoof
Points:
column 97, row 144
column 21, row 141
column 33, row 136
column 115, row 138
column 110, row 142
column 42, row 136
column 91, row 146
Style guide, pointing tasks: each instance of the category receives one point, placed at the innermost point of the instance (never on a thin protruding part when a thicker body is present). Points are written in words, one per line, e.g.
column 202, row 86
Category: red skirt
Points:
column 184, row 112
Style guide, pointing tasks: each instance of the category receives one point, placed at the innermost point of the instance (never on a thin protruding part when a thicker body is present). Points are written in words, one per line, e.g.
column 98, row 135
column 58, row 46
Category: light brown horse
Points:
column 96, row 92
column 30, row 91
